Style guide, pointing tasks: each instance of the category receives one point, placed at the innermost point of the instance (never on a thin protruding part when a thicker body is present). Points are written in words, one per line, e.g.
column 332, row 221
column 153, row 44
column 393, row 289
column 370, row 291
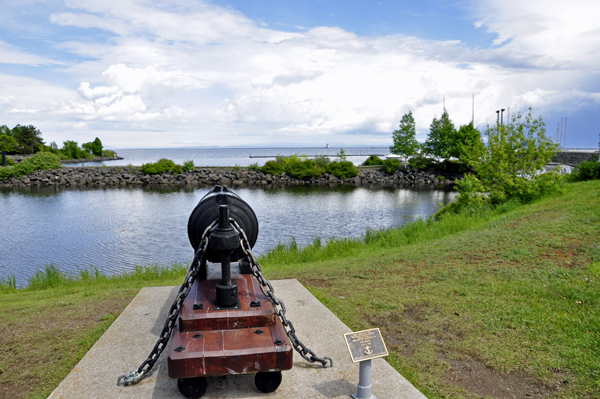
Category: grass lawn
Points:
column 497, row 305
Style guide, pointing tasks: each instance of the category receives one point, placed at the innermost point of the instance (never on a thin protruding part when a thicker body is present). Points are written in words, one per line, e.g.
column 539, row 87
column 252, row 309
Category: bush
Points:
column 7, row 172
column 301, row 167
column 188, row 166
column 421, row 162
column 9, row 162
column 373, row 160
column 253, row 166
column 390, row 165
column 589, row 170
column 43, row 160
column 342, row 169
column 322, row 160
column 163, row 165
column 39, row 161
column 108, row 153
column 272, row 167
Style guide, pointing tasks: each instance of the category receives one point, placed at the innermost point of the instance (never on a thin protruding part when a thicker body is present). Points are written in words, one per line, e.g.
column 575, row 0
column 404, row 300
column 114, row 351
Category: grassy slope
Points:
column 511, row 302
column 469, row 307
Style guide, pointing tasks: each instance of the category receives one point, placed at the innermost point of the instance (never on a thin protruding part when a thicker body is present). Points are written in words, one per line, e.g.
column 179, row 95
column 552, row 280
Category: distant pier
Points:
column 319, row 155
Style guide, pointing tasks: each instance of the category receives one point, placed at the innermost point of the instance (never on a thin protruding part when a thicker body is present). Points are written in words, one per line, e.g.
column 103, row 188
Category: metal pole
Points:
column 560, row 141
column 364, row 381
column 502, row 117
column 497, row 117
column 565, row 132
column 3, row 159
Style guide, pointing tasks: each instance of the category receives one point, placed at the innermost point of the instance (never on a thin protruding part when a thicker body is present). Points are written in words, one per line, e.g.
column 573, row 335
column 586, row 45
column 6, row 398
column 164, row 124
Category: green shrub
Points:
column 373, row 160
column 390, row 165
column 9, row 162
column 322, row 160
column 421, row 162
column 301, row 167
column 163, row 165
column 253, row 166
column 342, row 169
column 589, row 170
column 43, row 160
column 7, row 172
column 108, row 153
column 272, row 167
column 188, row 165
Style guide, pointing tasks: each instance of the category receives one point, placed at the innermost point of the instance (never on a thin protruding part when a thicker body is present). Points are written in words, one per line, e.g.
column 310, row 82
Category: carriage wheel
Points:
column 192, row 388
column 268, row 382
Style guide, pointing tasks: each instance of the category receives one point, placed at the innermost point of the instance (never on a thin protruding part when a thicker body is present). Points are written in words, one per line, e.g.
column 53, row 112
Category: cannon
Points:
column 227, row 324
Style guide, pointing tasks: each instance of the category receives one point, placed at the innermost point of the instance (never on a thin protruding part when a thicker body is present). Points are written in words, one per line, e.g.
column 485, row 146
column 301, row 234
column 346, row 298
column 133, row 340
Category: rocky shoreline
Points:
column 132, row 176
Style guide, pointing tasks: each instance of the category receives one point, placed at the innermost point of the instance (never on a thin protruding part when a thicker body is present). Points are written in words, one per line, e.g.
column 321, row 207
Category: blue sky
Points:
column 172, row 73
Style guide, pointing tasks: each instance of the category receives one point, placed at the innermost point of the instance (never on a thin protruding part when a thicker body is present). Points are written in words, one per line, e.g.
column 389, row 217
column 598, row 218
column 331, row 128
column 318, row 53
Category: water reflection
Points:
column 117, row 228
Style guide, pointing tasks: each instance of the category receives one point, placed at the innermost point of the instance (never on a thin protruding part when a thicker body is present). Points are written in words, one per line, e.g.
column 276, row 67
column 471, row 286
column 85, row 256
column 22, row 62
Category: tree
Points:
column 7, row 143
column 93, row 147
column 441, row 137
column 72, row 151
column 405, row 142
column 4, row 130
column 97, row 147
column 29, row 139
column 508, row 167
column 466, row 140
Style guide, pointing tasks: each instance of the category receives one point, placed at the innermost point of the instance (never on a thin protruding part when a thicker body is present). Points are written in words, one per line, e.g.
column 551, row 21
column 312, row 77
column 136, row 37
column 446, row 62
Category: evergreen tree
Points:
column 466, row 141
column 29, row 139
column 405, row 142
column 441, row 137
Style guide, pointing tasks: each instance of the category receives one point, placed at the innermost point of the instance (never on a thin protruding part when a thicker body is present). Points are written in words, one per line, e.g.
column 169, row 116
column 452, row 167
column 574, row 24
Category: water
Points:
column 115, row 229
column 231, row 156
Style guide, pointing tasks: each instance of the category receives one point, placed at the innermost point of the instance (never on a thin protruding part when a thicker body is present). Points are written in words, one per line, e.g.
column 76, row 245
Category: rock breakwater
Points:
column 132, row 176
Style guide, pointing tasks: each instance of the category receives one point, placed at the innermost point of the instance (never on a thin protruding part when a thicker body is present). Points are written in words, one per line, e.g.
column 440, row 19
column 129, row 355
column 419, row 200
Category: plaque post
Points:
column 363, row 347
column 3, row 159
column 364, row 381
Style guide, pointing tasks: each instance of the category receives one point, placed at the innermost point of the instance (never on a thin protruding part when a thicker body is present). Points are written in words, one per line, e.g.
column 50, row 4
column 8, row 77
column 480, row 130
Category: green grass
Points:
column 469, row 306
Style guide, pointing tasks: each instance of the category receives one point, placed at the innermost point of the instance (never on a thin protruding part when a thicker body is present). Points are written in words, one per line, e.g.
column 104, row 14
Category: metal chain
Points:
column 278, row 305
column 135, row 376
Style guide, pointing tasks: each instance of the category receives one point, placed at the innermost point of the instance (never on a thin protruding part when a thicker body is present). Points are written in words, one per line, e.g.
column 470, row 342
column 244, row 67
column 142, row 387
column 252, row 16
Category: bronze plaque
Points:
column 364, row 345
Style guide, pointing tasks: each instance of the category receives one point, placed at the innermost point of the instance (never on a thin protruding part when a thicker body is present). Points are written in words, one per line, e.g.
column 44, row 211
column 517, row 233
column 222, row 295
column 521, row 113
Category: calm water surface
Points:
column 115, row 229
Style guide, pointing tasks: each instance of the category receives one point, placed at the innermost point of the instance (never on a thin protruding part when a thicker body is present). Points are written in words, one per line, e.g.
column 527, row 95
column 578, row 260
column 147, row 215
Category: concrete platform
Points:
column 131, row 337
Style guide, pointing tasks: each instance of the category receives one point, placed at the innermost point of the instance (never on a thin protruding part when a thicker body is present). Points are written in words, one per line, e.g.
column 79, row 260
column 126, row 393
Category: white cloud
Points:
column 200, row 73
column 12, row 55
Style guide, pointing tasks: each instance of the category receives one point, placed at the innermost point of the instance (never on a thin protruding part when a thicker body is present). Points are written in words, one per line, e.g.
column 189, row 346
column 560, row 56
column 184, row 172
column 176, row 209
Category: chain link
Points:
column 278, row 305
column 135, row 376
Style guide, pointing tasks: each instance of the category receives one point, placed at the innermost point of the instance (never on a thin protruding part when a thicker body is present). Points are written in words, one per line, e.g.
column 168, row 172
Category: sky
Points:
column 277, row 73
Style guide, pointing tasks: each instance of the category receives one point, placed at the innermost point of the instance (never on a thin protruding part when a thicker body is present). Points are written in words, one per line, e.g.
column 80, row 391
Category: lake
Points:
column 115, row 229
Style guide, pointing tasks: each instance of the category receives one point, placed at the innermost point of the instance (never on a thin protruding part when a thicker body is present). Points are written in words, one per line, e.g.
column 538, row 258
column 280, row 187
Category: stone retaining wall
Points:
column 115, row 176
column 574, row 158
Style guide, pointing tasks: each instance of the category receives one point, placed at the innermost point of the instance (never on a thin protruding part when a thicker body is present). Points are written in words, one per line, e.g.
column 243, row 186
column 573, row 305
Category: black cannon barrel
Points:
column 207, row 211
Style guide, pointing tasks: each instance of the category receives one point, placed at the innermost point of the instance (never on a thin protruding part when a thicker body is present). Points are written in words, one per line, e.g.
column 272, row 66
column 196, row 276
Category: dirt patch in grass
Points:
column 474, row 376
